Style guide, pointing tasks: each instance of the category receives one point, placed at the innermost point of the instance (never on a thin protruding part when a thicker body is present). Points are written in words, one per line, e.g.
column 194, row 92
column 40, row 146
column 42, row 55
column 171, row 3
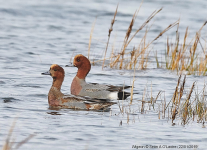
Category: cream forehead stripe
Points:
column 54, row 65
column 79, row 55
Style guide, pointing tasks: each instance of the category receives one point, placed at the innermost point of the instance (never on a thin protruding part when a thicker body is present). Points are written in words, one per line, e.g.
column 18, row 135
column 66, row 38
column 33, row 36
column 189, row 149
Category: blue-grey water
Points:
column 36, row 34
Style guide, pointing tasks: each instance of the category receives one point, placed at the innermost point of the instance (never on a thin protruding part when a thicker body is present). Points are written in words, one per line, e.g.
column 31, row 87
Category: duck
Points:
column 56, row 99
column 80, row 87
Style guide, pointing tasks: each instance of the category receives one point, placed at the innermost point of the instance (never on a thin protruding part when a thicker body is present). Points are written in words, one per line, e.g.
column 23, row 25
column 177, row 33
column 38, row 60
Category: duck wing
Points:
column 110, row 88
column 81, row 102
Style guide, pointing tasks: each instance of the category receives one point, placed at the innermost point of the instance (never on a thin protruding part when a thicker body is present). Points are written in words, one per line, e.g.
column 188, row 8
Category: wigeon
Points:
column 57, row 99
column 80, row 87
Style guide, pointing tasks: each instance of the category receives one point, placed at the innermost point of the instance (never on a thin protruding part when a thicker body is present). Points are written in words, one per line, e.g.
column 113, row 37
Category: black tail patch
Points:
column 123, row 95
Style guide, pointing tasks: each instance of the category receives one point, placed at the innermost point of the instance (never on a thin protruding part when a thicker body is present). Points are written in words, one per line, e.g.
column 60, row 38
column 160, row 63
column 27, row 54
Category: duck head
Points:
column 83, row 65
column 55, row 72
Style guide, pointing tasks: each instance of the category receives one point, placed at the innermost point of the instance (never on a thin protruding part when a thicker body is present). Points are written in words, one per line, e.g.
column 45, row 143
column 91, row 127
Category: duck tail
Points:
column 122, row 95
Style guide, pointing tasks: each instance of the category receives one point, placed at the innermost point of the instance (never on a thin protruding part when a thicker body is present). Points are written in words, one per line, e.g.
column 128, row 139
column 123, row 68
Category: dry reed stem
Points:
column 157, row 96
column 182, row 89
column 145, row 47
column 130, row 26
column 10, row 144
column 175, row 104
column 127, row 37
column 201, row 45
column 181, row 59
column 112, row 50
column 199, row 109
column 135, row 53
column 175, row 93
column 110, row 30
column 143, row 101
column 164, row 107
column 24, row 141
column 166, row 29
column 121, row 110
column 151, row 98
column 174, row 113
column 143, row 25
column 132, row 88
column 156, row 58
column 186, row 106
column 91, row 34
column 140, row 51
column 176, row 58
column 144, row 60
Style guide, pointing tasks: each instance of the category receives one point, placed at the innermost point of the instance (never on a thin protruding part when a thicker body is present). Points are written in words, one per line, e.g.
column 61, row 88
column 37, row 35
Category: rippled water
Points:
column 36, row 34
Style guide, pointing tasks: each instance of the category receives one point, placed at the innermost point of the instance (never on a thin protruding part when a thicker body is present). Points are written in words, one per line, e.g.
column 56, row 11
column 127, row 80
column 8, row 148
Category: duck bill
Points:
column 70, row 65
column 46, row 73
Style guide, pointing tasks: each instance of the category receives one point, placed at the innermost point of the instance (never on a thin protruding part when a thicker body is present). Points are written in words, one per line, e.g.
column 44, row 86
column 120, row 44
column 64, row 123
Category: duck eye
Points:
column 78, row 60
column 55, row 69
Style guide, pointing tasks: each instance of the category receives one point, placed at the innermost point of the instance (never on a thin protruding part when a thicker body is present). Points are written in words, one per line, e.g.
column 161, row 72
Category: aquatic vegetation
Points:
column 10, row 143
column 182, row 57
column 136, row 58
column 138, row 55
column 189, row 108
column 186, row 56
column 110, row 30
column 185, row 106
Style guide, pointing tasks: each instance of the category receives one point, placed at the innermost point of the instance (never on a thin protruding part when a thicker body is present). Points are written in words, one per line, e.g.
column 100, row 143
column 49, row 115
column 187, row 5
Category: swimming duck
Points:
column 57, row 99
column 94, row 90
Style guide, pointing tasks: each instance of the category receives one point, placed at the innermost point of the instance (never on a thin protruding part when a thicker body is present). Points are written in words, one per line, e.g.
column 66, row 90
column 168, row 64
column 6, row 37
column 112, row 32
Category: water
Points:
column 36, row 34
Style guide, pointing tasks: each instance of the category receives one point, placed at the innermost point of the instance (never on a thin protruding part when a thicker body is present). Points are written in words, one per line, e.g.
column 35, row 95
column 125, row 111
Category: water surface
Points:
column 36, row 34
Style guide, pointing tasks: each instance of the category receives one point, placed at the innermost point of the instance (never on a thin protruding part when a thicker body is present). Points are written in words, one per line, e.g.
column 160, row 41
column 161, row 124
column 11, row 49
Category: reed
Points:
column 110, row 30
column 132, row 88
column 10, row 143
column 185, row 106
column 137, row 58
column 127, row 42
column 143, row 51
column 127, row 37
column 200, row 108
column 183, row 56
column 187, row 109
column 140, row 54
column 143, row 102
column 90, row 39
column 187, row 56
